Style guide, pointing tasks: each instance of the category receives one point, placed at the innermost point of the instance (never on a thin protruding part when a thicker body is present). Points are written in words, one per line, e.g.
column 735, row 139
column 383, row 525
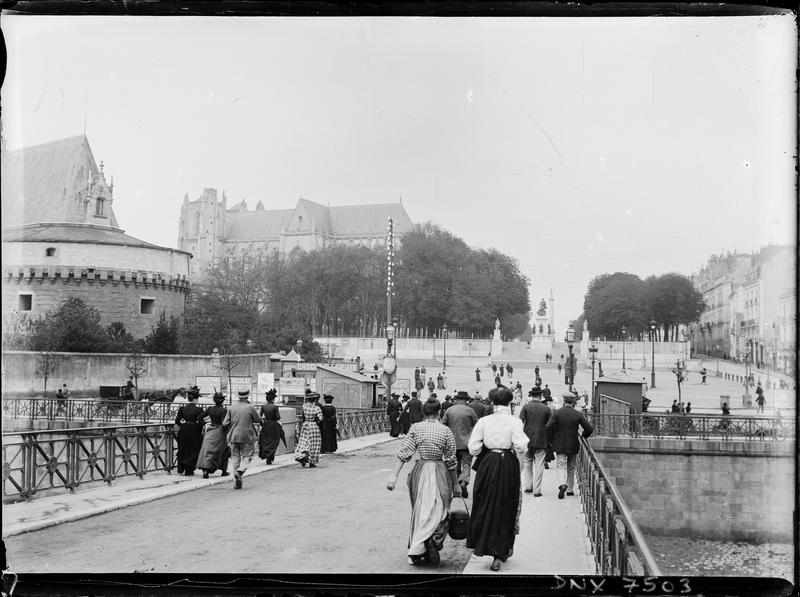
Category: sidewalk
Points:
column 552, row 538
column 39, row 513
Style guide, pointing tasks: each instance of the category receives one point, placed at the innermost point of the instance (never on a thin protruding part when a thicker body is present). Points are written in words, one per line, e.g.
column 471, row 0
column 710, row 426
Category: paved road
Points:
column 337, row 518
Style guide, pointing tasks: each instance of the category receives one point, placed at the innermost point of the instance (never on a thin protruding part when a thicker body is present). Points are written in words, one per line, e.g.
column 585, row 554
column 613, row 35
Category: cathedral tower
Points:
column 201, row 230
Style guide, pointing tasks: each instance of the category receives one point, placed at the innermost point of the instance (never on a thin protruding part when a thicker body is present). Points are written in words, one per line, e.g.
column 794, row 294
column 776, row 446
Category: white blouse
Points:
column 498, row 431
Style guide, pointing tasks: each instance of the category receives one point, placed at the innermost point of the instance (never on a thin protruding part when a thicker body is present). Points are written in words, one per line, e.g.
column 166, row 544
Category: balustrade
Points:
column 618, row 544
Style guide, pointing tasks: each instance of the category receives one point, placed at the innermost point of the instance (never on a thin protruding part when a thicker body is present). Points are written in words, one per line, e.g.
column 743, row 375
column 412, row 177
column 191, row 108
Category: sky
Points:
column 579, row 146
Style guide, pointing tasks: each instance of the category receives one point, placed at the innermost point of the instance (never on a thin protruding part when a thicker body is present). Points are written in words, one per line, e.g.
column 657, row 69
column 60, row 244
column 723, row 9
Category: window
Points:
column 98, row 208
column 148, row 306
column 50, row 251
column 25, row 302
column 299, row 222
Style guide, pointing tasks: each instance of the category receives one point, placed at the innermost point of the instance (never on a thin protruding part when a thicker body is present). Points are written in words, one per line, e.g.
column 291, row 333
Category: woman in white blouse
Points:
column 496, row 440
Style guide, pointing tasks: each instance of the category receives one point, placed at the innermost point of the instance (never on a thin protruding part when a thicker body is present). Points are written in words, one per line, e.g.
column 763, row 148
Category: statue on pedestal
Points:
column 542, row 308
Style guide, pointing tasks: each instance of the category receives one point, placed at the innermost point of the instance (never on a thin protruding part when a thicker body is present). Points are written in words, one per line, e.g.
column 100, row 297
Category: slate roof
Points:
column 346, row 373
column 369, row 220
column 256, row 225
column 41, row 183
column 319, row 214
column 75, row 233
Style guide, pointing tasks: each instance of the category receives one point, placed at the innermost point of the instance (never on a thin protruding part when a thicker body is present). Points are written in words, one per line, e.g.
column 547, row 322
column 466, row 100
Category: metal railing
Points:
column 618, row 544
column 682, row 426
column 39, row 460
column 357, row 422
column 90, row 411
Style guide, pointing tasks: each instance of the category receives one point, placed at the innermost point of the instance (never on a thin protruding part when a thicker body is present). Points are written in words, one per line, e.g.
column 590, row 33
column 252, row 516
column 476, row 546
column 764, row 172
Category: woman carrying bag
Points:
column 432, row 483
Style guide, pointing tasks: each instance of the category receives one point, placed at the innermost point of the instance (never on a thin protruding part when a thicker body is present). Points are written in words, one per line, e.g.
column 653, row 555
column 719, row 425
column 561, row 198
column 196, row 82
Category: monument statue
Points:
column 542, row 308
column 549, row 330
column 497, row 323
column 540, row 329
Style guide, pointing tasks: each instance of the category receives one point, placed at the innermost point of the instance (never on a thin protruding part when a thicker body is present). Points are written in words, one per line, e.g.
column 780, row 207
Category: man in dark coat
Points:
column 494, row 368
column 477, row 405
column 393, row 409
column 461, row 419
column 536, row 370
column 546, row 393
column 510, row 370
column 534, row 416
column 446, row 403
column 414, row 407
column 477, row 373
column 562, row 432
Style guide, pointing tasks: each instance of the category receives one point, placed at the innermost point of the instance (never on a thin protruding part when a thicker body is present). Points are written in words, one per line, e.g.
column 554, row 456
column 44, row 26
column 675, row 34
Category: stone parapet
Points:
column 78, row 273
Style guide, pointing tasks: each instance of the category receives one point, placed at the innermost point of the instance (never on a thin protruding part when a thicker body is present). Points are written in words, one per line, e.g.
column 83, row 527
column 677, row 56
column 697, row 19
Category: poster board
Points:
column 292, row 386
column 208, row 384
column 240, row 383
column 266, row 382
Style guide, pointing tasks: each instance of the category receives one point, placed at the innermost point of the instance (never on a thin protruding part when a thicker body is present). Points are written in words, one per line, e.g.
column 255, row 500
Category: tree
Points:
column 135, row 365
column 47, row 363
column 614, row 301
column 119, row 340
column 18, row 328
column 164, row 337
column 73, row 327
column 229, row 359
column 673, row 300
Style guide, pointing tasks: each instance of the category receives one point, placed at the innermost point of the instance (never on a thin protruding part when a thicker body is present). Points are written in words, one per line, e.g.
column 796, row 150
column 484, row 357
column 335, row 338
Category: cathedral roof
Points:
column 319, row 214
column 47, row 182
column 256, row 225
column 369, row 220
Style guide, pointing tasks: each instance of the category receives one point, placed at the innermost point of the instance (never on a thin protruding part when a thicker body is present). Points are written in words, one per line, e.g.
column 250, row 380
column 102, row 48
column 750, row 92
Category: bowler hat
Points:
column 460, row 395
column 535, row 391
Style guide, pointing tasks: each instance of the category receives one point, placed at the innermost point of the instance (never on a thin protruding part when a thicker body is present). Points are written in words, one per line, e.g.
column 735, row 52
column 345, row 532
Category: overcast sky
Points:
column 579, row 146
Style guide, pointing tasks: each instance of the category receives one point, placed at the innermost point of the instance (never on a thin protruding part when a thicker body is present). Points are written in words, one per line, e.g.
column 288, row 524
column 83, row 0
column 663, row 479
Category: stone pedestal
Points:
column 497, row 344
column 541, row 340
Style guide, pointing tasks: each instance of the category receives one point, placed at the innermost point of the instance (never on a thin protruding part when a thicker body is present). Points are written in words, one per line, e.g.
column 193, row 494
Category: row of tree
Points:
column 623, row 300
column 266, row 302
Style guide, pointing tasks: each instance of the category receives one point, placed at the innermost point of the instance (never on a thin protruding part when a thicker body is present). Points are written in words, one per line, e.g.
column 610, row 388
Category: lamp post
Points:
column 570, row 372
column 716, row 349
column 623, row 347
column 444, row 359
column 679, row 376
column 653, row 355
column 593, row 353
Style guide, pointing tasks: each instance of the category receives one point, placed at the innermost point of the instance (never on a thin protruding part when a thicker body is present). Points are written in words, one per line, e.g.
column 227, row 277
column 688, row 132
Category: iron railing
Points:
column 90, row 411
column 618, row 545
column 681, row 426
column 41, row 460
column 357, row 422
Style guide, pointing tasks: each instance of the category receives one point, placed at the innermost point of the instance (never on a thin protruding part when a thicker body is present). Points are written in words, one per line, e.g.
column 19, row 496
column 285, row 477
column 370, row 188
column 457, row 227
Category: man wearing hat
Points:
column 476, row 404
column 461, row 419
column 562, row 431
column 241, row 421
column 393, row 408
column 534, row 416
column 414, row 407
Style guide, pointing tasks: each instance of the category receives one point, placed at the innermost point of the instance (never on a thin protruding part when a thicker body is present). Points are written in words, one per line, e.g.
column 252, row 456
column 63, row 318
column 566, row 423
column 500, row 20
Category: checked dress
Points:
column 310, row 441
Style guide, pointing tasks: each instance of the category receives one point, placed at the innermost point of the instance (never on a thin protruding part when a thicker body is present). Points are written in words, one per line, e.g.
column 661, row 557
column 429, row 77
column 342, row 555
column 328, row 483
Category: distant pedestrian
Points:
column 444, row 380
column 546, row 393
column 494, row 368
column 477, row 373
column 61, row 401
column 477, row 405
column 497, row 381
column 310, row 441
column 461, row 419
column 703, row 374
column 536, row 371
column 502, row 369
column 439, row 385
column 431, row 385
column 446, row 403
column 675, row 409
column 329, row 426
column 403, row 421
column 559, row 369
column 510, row 370
column 432, row 483
column 419, row 384
column 562, row 432
column 190, row 433
column 414, row 407
column 393, row 408
column 423, row 371
column 271, row 430
column 688, row 407
column 534, row 417
column 496, row 442
column 760, row 400
column 241, row 421
column 214, row 451
column 416, row 373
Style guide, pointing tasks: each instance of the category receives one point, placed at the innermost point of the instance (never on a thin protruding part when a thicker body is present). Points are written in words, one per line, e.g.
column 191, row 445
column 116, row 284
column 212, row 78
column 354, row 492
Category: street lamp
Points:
column 593, row 353
column 444, row 360
column 679, row 376
column 623, row 347
column 570, row 372
column 653, row 356
column 716, row 349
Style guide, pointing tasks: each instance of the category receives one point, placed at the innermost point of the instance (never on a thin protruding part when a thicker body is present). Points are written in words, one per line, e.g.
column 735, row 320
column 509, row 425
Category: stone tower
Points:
column 201, row 230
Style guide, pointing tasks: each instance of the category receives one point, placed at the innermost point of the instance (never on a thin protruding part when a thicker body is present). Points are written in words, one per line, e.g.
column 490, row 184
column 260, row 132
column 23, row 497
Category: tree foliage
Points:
column 164, row 336
column 618, row 300
column 72, row 327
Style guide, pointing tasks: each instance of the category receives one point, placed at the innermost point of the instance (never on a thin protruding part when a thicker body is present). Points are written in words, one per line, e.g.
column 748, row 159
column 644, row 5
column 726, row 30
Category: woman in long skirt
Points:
column 310, row 441
column 190, row 434
column 271, row 430
column 329, row 444
column 496, row 440
column 432, row 483
column 214, row 452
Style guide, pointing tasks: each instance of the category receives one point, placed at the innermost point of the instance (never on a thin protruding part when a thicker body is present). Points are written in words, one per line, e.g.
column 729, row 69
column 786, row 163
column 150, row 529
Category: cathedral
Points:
column 210, row 230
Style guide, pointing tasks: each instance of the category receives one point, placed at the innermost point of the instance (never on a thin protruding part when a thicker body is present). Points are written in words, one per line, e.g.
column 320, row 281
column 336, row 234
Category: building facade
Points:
column 211, row 231
column 61, row 239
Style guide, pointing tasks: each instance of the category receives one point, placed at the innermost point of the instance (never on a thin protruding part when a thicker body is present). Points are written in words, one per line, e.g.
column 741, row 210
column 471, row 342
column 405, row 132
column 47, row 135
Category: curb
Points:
column 178, row 487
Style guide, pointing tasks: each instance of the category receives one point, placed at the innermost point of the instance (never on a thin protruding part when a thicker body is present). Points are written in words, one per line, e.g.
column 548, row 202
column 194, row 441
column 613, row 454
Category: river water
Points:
column 700, row 557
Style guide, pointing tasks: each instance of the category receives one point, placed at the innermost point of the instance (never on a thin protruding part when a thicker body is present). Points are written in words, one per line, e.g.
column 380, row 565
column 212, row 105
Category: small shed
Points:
column 350, row 389
column 624, row 389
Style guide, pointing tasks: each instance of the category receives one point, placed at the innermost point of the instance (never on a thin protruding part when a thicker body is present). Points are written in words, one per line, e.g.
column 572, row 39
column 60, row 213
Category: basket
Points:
column 459, row 523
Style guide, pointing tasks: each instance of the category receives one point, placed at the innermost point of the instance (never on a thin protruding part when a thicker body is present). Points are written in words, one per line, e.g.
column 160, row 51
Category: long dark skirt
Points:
column 268, row 440
column 405, row 422
column 329, row 444
column 495, row 505
column 190, row 438
column 430, row 490
column 214, row 452
column 394, row 424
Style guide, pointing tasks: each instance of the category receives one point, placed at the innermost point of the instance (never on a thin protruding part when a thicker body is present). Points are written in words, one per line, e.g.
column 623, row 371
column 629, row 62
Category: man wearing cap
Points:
column 461, row 419
column 241, row 421
column 534, row 416
column 393, row 408
column 562, row 432
column 477, row 405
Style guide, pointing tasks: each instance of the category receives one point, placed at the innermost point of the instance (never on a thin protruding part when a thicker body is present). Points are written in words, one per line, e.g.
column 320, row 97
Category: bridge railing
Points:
column 357, row 422
column 618, row 544
column 682, row 426
column 94, row 411
column 41, row 460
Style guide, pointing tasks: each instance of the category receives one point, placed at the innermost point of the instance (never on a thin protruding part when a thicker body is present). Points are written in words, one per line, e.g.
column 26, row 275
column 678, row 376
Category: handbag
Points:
column 459, row 523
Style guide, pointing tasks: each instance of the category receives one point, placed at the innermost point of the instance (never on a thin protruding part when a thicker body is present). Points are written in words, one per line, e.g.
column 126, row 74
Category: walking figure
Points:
column 241, row 421
column 477, row 374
